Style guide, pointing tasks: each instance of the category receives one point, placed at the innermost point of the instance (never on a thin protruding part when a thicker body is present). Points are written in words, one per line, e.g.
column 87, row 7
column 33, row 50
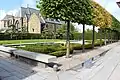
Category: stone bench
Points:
column 38, row 59
column 7, row 49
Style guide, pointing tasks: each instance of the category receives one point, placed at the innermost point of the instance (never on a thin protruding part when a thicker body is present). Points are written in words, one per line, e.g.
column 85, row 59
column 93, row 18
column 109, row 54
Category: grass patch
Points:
column 28, row 41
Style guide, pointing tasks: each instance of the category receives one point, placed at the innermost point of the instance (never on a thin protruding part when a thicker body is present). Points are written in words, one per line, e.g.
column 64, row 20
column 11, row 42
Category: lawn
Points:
column 28, row 41
column 2, row 42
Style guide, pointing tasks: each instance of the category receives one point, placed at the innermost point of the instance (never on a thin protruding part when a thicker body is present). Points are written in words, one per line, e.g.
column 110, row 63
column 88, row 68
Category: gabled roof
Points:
column 7, row 17
column 27, row 12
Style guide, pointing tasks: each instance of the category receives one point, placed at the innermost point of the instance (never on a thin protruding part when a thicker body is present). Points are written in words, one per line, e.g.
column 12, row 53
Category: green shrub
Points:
column 88, row 46
column 97, row 43
column 58, row 53
column 57, row 49
column 43, row 48
column 76, row 46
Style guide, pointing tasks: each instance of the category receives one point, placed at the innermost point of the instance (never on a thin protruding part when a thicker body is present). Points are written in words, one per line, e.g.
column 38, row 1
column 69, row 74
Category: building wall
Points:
column 1, row 24
column 34, row 24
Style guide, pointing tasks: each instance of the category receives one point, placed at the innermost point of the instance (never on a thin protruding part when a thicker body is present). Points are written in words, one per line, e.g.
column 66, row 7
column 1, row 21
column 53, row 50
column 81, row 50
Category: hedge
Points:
column 18, row 36
column 58, row 53
column 56, row 49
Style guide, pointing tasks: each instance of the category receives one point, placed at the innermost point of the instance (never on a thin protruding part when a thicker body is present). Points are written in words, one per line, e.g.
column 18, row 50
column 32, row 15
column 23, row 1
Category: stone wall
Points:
column 34, row 24
column 1, row 24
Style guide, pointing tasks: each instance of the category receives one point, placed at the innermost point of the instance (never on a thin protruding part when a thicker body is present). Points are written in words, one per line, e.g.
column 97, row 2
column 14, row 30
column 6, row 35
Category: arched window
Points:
column 17, row 24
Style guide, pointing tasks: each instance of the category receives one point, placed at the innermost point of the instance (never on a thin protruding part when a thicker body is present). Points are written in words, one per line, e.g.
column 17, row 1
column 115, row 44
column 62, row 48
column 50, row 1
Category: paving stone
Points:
column 4, row 74
column 34, row 77
column 66, row 76
column 20, row 76
column 11, row 78
column 42, row 74
column 72, row 72
column 12, row 68
column 6, row 67
column 1, row 69
column 116, row 74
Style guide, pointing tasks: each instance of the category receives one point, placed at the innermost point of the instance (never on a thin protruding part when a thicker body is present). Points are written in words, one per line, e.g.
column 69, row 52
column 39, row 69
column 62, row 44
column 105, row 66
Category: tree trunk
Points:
column 55, row 31
column 83, row 37
column 117, row 36
column 68, row 40
column 105, row 37
column 11, row 35
column 93, row 37
column 111, row 37
column 114, row 35
column 100, row 37
column 108, row 36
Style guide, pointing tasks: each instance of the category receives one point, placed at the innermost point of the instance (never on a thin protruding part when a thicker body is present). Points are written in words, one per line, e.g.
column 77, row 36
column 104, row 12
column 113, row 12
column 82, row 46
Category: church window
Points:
column 33, row 29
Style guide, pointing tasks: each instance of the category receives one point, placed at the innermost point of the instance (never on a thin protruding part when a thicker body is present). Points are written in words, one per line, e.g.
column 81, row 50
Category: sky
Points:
column 12, row 6
column 110, row 6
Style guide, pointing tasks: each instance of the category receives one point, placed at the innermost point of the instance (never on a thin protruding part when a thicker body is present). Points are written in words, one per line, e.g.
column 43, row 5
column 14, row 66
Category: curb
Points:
column 89, row 62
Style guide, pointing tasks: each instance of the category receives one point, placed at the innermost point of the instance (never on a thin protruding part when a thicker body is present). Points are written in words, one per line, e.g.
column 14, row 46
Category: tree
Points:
column 66, row 10
column 101, row 19
column 83, row 15
column 62, row 31
column 11, row 30
column 47, row 34
column 22, row 31
column 115, row 26
column 89, row 33
column 98, row 19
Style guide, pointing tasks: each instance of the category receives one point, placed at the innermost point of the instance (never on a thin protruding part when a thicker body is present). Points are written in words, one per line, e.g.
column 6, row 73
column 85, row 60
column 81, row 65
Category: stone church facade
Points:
column 30, row 19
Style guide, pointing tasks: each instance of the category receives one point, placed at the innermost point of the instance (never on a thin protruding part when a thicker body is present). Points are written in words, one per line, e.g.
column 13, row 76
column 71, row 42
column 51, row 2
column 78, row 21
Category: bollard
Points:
column 55, row 68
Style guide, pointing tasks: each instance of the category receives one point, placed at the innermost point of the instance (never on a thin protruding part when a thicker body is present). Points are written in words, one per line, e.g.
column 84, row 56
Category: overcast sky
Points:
column 11, row 7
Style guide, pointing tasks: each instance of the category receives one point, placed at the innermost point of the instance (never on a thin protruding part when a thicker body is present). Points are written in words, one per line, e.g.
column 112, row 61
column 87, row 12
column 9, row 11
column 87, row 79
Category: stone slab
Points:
column 7, row 49
column 36, row 56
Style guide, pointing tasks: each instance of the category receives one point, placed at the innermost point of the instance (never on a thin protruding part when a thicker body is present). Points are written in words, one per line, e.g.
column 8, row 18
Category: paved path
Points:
column 12, row 69
column 106, row 68
column 80, row 58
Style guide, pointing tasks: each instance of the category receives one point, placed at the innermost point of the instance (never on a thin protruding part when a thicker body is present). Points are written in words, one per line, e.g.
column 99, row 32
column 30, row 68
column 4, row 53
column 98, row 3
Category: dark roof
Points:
column 53, row 22
column 28, row 11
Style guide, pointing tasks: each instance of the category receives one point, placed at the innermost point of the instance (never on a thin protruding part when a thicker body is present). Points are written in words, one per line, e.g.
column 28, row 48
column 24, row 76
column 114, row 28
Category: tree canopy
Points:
column 72, row 10
column 102, row 17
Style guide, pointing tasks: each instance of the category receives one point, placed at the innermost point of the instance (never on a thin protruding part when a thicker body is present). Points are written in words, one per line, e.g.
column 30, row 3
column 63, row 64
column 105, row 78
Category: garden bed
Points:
column 55, row 49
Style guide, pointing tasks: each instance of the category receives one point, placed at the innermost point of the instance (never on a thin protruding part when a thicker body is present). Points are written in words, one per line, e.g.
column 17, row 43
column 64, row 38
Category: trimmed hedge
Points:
column 18, row 36
column 58, row 53
column 56, row 49
column 76, row 46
